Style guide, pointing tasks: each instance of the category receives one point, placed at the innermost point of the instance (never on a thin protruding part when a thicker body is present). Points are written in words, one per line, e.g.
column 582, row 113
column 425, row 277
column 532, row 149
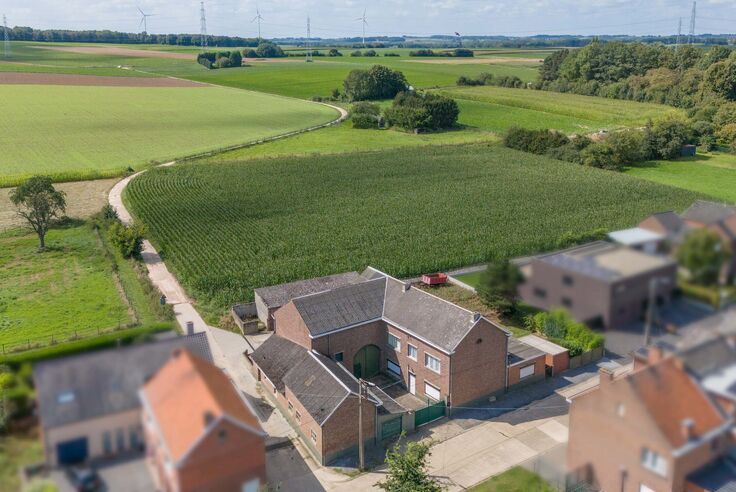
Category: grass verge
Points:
column 517, row 479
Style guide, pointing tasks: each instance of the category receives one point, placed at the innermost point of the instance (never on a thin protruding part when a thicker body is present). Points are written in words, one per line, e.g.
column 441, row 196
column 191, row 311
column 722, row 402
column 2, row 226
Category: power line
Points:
column 309, row 36
column 692, row 24
column 203, row 26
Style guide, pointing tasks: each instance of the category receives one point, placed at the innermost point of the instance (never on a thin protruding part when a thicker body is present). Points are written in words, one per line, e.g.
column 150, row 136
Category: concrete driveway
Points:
column 129, row 475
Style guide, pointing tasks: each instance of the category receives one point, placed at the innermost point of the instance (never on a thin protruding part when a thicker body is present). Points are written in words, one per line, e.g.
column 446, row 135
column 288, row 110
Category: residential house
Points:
column 599, row 283
column 88, row 404
column 640, row 239
column 663, row 427
column 713, row 216
column 201, row 434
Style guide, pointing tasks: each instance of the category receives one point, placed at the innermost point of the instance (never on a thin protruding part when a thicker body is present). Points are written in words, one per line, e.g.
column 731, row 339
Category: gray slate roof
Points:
column 717, row 477
column 709, row 357
column 276, row 356
column 82, row 387
column 520, row 352
column 708, row 212
column 341, row 307
column 672, row 222
column 278, row 295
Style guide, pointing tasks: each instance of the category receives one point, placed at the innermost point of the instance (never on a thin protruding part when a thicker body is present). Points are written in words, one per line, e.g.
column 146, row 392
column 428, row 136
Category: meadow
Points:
column 75, row 132
column 712, row 173
column 228, row 228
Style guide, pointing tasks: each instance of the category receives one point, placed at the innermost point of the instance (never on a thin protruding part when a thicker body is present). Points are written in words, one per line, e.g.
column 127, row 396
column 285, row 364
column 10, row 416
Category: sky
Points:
column 338, row 18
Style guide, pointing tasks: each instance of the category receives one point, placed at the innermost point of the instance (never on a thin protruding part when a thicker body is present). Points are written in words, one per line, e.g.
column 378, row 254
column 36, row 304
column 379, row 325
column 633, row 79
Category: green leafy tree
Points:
column 128, row 239
column 426, row 111
column 39, row 204
column 721, row 79
column 499, row 286
column 702, row 254
column 378, row 82
column 550, row 68
column 664, row 140
column 267, row 49
column 407, row 469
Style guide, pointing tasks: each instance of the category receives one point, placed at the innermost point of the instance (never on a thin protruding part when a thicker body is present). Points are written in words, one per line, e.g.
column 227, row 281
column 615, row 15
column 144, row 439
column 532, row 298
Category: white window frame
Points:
column 388, row 367
column 392, row 337
column 522, row 370
column 644, row 488
column 313, row 435
column 298, row 416
column 427, row 358
column 433, row 387
column 408, row 351
column 654, row 462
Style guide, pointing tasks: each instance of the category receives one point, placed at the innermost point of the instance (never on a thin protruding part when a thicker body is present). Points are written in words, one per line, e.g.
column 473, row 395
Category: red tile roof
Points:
column 186, row 394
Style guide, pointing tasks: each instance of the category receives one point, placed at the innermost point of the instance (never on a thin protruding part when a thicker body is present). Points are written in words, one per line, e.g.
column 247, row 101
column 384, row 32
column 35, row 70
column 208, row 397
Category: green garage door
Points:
column 429, row 413
column 391, row 428
column 367, row 362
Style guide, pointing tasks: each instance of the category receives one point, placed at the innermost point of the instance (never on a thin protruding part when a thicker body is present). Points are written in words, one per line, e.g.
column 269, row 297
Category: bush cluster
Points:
column 366, row 115
column 377, row 82
column 559, row 327
column 422, row 111
column 661, row 140
column 128, row 239
column 369, row 53
column 17, row 390
column 489, row 79
column 265, row 49
column 458, row 52
column 220, row 59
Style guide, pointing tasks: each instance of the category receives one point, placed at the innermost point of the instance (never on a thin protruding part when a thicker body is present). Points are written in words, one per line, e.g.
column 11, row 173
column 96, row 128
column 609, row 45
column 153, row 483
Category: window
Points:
column 339, row 357
column 107, row 442
column 394, row 341
column 567, row 302
column 541, row 293
column 526, row 371
column 393, row 368
column 134, row 440
column 298, row 416
column 644, row 488
column 432, row 362
column 274, row 390
column 653, row 462
column 314, row 437
column 432, row 391
column 411, row 352
column 567, row 280
column 291, row 407
column 222, row 435
column 120, row 439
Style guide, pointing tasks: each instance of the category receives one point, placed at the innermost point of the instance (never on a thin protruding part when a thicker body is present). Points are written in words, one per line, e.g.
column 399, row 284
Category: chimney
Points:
column 476, row 317
column 208, row 418
column 407, row 286
column 654, row 354
column 190, row 327
column 606, row 373
column 688, row 429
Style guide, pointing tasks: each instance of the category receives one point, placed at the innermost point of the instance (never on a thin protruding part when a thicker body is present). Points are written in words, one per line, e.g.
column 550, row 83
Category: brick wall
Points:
column 289, row 324
column 349, row 342
column 478, row 366
column 539, row 371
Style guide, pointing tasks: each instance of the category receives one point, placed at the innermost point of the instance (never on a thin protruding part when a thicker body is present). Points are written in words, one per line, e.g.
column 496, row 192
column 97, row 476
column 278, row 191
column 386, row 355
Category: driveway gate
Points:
column 391, row 428
column 429, row 413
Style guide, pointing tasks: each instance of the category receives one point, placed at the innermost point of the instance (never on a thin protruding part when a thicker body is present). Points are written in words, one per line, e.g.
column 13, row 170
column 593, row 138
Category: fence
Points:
column 49, row 340
column 246, row 317
column 586, row 358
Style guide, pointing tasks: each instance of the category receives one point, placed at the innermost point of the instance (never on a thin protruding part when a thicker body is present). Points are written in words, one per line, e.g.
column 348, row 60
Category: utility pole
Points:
column 6, row 33
column 309, row 45
column 362, row 383
column 692, row 24
column 203, row 26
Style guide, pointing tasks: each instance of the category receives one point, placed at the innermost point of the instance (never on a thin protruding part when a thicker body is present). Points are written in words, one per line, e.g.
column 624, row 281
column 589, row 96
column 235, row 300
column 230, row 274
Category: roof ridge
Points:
column 314, row 354
column 336, row 288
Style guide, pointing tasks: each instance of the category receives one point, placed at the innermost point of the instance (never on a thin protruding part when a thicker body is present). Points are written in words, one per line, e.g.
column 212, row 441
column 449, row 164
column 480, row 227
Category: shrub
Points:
column 250, row 53
column 727, row 134
column 665, row 139
column 333, row 52
column 391, row 54
column 267, row 49
column 702, row 254
column 534, row 141
column 356, row 53
column 128, row 239
column 600, row 155
column 236, row 59
column 223, row 62
column 378, row 82
column 627, row 147
column 423, row 52
column 366, row 108
column 463, row 53
column 499, row 284
column 558, row 326
column 370, row 53
column 365, row 121
column 412, row 110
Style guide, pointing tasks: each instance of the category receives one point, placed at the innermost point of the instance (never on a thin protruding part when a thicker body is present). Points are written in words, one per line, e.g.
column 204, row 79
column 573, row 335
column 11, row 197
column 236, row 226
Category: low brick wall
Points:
column 586, row 358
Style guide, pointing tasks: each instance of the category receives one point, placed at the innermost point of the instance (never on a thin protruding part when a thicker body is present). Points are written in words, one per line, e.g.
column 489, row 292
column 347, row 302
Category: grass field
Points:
column 229, row 228
column 73, row 132
column 713, row 174
column 69, row 287
column 497, row 109
column 17, row 450
column 515, row 480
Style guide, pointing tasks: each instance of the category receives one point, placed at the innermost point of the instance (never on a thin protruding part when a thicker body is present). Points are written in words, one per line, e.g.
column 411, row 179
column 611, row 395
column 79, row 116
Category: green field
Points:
column 497, row 109
column 69, row 287
column 73, row 132
column 713, row 174
column 229, row 228
column 516, row 479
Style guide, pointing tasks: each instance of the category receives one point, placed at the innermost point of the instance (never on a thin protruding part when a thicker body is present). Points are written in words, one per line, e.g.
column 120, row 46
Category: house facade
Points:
column 600, row 283
column 204, row 436
column 88, row 404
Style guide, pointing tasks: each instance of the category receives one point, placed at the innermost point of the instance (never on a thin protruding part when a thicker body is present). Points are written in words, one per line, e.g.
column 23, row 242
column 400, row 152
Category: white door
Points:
column 412, row 384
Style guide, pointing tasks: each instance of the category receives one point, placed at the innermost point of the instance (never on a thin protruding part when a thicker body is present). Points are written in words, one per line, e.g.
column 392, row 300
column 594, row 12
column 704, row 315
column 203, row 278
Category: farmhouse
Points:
column 88, row 404
column 200, row 433
column 715, row 217
column 380, row 326
column 600, row 283
column 668, row 425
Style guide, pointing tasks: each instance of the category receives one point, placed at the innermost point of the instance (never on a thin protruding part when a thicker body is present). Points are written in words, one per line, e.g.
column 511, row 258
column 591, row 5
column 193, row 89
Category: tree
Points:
column 378, row 82
column 39, row 204
column 499, row 286
column 236, row 59
column 702, row 255
column 128, row 239
column 426, row 111
column 407, row 470
column 267, row 49
column 721, row 79
column 665, row 139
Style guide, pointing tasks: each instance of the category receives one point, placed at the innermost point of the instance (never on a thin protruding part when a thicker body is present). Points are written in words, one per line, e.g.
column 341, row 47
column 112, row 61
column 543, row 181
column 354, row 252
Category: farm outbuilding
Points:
column 557, row 358
column 526, row 364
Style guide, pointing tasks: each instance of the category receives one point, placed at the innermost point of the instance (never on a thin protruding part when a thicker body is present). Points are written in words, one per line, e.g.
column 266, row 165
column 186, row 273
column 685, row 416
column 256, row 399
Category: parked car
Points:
column 84, row 479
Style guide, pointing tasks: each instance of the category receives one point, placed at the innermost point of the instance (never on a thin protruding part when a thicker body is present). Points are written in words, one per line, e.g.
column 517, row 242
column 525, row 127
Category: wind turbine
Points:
column 144, row 20
column 258, row 18
column 365, row 23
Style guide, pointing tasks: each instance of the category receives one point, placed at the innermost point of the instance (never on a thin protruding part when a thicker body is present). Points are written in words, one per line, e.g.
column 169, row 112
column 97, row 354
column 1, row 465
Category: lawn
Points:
column 713, row 174
column 516, row 479
column 232, row 227
column 16, row 451
column 69, row 287
column 73, row 132
column 497, row 109
column 471, row 279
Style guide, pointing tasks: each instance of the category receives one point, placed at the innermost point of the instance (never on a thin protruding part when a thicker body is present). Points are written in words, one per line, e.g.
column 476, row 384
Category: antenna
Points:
column 6, row 33
column 692, row 25
column 203, row 26
column 365, row 23
column 309, row 36
column 258, row 18
column 144, row 20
